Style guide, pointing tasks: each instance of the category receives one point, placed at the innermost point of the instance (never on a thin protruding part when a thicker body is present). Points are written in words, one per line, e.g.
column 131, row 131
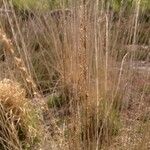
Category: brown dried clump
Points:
column 20, row 65
column 19, row 122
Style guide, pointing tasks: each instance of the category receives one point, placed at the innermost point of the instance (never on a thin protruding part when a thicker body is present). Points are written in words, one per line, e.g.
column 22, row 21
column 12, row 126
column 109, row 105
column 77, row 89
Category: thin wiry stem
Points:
column 97, row 69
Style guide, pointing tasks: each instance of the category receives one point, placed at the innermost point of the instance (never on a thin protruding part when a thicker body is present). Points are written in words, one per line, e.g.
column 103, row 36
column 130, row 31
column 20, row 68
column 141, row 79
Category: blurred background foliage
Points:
column 39, row 4
column 51, row 4
column 117, row 4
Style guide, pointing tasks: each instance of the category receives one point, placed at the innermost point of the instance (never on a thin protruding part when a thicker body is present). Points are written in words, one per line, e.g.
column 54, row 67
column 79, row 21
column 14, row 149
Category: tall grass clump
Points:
column 19, row 122
column 83, row 59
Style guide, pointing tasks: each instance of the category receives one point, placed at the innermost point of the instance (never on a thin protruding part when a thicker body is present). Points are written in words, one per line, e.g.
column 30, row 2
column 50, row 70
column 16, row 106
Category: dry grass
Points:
column 19, row 122
column 82, row 61
column 9, row 52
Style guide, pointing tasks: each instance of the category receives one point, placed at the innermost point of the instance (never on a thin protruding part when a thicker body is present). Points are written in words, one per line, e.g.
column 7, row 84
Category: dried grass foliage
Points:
column 19, row 122
column 85, row 67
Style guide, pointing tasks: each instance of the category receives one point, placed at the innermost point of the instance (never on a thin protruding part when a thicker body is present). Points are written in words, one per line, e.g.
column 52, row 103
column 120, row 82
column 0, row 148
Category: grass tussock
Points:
column 89, row 62
column 19, row 122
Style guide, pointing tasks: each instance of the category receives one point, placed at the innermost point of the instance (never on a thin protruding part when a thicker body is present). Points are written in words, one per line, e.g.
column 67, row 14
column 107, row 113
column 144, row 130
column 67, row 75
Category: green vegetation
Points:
column 30, row 4
column 40, row 4
column 117, row 4
column 55, row 100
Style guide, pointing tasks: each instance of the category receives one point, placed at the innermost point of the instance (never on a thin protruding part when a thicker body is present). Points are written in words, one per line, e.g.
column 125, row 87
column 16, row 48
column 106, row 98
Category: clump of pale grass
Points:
column 9, row 51
column 77, row 59
column 19, row 122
